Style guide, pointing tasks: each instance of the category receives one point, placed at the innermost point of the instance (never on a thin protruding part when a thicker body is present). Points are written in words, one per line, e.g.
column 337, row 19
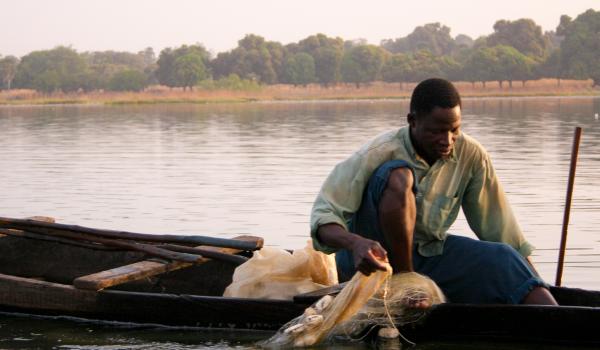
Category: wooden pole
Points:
column 31, row 235
column 212, row 254
column 45, row 227
column 124, row 244
column 567, row 213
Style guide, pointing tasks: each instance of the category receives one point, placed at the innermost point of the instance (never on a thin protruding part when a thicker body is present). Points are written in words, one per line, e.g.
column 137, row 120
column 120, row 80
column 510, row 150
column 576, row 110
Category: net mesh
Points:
column 377, row 300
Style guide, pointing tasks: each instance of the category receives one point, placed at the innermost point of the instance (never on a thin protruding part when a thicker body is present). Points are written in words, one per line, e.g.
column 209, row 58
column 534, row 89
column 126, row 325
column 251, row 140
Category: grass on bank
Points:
column 213, row 93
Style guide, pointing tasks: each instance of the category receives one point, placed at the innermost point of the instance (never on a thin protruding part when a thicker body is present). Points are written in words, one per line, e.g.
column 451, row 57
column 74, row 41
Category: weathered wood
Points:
column 124, row 274
column 201, row 250
column 42, row 218
column 27, row 292
column 131, row 245
column 144, row 269
column 192, row 297
column 28, row 295
column 523, row 323
column 50, row 228
column 31, row 235
column 567, row 213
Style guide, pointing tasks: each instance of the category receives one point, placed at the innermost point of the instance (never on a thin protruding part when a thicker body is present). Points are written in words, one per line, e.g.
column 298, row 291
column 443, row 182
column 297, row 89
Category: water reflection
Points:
column 256, row 168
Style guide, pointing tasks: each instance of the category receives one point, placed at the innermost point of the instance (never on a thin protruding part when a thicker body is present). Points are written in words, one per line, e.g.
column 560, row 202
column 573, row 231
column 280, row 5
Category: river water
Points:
column 255, row 168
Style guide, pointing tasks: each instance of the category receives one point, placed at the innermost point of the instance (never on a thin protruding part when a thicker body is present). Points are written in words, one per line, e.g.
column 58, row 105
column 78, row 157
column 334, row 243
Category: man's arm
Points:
column 368, row 254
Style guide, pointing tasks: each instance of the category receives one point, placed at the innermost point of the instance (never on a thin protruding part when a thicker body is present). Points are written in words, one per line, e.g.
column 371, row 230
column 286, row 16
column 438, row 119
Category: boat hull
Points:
column 36, row 277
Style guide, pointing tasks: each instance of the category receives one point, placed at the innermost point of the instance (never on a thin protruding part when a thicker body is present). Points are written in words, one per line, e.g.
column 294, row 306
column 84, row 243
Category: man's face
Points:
column 434, row 134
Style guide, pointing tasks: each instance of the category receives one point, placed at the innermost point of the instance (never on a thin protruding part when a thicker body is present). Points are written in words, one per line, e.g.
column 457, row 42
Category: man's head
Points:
column 434, row 118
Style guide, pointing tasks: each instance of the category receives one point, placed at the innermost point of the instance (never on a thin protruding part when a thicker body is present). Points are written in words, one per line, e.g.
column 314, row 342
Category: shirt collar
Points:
column 404, row 134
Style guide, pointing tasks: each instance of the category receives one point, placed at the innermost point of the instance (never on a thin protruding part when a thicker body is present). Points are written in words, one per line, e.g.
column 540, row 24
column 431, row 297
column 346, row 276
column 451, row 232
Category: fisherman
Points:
column 397, row 196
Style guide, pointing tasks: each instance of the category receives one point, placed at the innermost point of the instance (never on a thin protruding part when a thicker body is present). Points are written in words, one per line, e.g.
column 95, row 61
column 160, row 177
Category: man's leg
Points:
column 474, row 271
column 397, row 216
column 366, row 221
column 539, row 296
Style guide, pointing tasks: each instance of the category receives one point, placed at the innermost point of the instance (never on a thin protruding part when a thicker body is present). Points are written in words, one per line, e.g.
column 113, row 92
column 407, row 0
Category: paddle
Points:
column 567, row 214
column 52, row 228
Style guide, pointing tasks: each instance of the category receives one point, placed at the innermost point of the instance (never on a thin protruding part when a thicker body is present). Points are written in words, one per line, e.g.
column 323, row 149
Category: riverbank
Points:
column 377, row 90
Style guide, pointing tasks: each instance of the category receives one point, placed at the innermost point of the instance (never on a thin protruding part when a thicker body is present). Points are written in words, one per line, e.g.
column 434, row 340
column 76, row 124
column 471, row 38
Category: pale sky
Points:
column 132, row 25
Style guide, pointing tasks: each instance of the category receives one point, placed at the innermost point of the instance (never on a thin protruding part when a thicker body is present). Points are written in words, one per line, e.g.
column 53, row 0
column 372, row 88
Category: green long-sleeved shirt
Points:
column 466, row 179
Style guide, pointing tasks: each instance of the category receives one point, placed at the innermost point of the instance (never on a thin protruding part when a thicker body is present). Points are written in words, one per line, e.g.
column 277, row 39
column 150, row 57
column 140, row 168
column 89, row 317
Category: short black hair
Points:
column 431, row 93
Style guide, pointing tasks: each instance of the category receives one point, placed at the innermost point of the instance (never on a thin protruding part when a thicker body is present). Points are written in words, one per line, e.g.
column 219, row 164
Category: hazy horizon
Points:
column 133, row 25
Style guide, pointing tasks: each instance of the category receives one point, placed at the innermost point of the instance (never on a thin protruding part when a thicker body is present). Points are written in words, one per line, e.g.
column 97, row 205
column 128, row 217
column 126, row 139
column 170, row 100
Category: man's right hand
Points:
column 369, row 255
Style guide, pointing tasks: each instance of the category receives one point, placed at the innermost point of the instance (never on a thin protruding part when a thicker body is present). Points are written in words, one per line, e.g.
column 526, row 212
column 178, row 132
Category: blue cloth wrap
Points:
column 468, row 271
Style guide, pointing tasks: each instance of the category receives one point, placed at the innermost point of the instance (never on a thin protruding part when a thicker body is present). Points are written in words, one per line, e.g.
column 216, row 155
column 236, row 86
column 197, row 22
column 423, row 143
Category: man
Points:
column 397, row 196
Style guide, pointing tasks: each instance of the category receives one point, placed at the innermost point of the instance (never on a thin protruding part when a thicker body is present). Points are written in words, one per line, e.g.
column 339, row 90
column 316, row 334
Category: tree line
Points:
column 516, row 51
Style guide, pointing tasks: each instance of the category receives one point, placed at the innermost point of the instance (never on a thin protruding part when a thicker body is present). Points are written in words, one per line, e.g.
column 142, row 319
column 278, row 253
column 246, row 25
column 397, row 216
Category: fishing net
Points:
column 379, row 300
column 274, row 273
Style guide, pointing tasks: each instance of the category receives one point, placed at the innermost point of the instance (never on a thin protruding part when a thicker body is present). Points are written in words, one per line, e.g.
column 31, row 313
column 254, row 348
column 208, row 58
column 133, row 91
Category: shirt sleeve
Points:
column 487, row 210
column 340, row 195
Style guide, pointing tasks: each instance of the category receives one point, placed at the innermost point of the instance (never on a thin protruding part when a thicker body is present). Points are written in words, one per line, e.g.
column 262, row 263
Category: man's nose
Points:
column 447, row 139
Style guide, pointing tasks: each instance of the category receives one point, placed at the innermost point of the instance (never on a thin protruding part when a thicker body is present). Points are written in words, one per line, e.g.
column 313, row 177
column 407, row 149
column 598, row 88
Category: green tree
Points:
column 432, row 37
column 254, row 59
column 449, row 67
column 398, row 68
column 480, row 65
column 167, row 72
column 362, row 64
column 103, row 65
column 426, row 65
column 523, row 34
column 327, row 53
column 61, row 68
column 579, row 51
column 8, row 70
column 511, row 65
column 299, row 69
column 189, row 70
column 553, row 67
column 128, row 80
column 463, row 41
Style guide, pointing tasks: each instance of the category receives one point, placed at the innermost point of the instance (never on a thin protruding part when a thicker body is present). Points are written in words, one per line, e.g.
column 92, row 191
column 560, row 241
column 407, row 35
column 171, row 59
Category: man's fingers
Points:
column 379, row 252
column 376, row 262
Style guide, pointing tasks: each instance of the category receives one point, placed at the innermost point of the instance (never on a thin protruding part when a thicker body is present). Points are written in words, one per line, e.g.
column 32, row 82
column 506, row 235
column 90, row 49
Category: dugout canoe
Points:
column 45, row 278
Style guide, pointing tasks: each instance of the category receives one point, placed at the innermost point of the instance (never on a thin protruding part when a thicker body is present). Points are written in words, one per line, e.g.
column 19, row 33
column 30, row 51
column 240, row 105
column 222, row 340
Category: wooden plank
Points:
column 31, row 293
column 144, row 269
column 31, row 235
column 39, row 297
column 41, row 227
column 124, row 274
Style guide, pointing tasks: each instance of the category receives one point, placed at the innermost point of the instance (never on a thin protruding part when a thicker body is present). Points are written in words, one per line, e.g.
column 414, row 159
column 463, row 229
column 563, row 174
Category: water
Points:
column 226, row 170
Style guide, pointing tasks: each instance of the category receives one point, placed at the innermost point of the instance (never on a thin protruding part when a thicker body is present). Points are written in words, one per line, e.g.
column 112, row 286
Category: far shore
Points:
column 371, row 91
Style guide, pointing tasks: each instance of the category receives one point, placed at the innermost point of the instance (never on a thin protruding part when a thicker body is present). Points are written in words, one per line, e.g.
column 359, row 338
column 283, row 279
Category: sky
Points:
column 132, row 25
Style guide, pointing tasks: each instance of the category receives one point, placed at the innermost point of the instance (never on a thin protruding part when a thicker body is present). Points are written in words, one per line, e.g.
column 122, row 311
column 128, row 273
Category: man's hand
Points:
column 368, row 255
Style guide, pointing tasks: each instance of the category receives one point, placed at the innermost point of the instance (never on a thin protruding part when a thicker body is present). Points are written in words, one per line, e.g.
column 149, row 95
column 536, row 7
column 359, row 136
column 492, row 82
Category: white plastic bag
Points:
column 274, row 273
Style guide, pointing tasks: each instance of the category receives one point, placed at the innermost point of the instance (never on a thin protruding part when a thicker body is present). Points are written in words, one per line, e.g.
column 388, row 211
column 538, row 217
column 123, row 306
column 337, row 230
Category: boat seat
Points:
column 143, row 269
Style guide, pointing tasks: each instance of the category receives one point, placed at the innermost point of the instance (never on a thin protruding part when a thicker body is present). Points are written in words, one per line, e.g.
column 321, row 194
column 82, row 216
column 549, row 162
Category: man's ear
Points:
column 411, row 118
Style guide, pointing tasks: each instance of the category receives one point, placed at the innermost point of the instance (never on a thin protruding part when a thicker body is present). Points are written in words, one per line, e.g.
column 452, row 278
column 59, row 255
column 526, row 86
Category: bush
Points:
column 231, row 82
column 128, row 80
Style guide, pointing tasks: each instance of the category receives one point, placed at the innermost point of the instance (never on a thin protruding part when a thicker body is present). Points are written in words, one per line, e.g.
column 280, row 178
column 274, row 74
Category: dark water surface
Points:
column 225, row 170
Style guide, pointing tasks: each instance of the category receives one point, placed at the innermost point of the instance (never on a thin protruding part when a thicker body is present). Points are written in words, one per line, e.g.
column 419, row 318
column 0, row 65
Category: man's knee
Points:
column 398, row 191
column 400, row 182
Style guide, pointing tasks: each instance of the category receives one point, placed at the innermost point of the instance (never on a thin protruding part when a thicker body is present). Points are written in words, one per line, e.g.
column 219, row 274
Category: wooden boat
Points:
column 61, row 277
